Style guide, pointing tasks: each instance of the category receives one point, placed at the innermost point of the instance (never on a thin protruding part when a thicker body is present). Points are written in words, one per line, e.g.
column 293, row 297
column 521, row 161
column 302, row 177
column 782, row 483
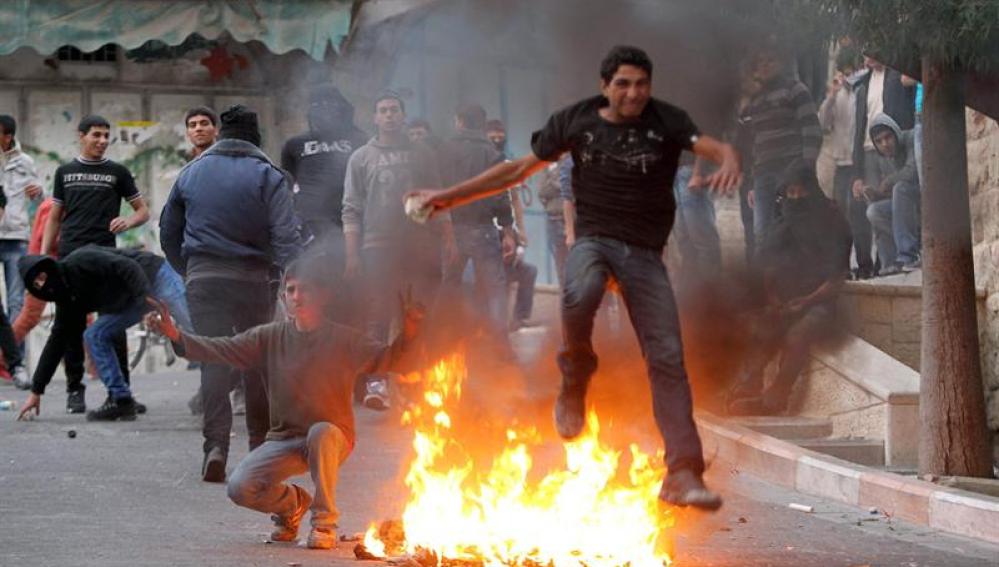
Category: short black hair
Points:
column 389, row 95
column 495, row 125
column 420, row 123
column 7, row 124
column 848, row 56
column 202, row 111
column 92, row 121
column 624, row 55
column 472, row 116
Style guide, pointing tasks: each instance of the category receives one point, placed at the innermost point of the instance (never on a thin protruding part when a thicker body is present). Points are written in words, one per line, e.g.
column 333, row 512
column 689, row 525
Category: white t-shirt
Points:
column 875, row 103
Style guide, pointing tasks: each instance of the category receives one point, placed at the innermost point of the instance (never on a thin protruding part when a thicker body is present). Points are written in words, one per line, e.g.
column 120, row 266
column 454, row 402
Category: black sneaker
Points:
column 685, row 488
column 570, row 411
column 213, row 468
column 122, row 409
column 76, row 401
column 140, row 408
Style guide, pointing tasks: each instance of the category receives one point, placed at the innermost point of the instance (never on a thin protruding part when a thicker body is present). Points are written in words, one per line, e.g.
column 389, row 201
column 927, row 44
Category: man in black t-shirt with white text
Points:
column 86, row 206
column 626, row 146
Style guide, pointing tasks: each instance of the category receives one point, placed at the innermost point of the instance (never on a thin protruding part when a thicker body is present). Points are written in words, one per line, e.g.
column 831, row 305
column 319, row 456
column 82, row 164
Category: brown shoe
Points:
column 685, row 488
column 286, row 527
column 321, row 538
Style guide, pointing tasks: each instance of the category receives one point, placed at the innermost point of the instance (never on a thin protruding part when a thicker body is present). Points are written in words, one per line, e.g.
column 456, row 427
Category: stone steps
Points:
column 868, row 452
column 815, row 433
column 788, row 427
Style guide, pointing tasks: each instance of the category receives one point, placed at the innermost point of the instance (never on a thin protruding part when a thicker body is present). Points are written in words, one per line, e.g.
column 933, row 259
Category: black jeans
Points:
column 648, row 296
column 790, row 337
column 11, row 350
column 65, row 343
column 222, row 308
column 855, row 211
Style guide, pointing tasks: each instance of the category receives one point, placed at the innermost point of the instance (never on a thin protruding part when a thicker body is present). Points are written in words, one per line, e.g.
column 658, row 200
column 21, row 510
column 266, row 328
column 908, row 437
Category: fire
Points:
column 585, row 514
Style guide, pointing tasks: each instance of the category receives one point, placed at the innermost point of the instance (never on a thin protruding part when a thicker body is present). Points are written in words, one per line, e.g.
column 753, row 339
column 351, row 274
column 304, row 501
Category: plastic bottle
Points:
column 7, row 405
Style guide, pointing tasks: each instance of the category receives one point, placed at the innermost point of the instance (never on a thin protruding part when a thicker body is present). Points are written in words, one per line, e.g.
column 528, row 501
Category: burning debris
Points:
column 462, row 514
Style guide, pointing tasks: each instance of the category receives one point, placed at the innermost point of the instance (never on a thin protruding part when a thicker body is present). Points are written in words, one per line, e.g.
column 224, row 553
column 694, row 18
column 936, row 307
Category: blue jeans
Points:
column 896, row 225
column 258, row 482
column 765, row 199
column 648, row 296
column 695, row 230
column 10, row 252
column 100, row 336
column 524, row 275
column 481, row 246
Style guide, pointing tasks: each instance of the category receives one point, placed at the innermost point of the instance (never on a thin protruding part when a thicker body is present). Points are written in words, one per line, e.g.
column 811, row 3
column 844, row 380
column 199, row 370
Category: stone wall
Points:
column 983, row 181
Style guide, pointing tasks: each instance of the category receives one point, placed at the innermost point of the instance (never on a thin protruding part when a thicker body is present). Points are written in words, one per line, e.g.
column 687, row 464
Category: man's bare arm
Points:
column 492, row 181
column 729, row 174
column 139, row 217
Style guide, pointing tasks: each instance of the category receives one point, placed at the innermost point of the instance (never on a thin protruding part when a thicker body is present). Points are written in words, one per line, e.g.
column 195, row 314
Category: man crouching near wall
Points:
column 311, row 364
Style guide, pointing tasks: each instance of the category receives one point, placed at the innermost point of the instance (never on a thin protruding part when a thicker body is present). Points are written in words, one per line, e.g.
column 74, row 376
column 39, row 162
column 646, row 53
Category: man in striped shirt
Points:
column 785, row 128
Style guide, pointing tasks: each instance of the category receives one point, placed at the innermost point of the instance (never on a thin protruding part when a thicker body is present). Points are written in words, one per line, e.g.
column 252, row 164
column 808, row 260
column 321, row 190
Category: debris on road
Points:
column 71, row 434
column 800, row 508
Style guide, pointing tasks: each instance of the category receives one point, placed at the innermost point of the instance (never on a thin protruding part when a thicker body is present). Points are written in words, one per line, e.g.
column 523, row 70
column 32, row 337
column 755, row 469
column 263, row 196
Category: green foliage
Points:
column 961, row 33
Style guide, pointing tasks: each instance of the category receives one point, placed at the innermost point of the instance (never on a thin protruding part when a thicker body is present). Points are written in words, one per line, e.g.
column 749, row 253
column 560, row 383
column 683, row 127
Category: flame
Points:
column 585, row 514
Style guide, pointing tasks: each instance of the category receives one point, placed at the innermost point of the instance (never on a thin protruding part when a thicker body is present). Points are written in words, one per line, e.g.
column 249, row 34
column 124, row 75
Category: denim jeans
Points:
column 221, row 308
column 258, row 481
column 481, row 246
column 746, row 214
column 696, row 233
column 855, row 211
column 896, row 224
column 652, row 308
column 555, row 232
column 789, row 337
column 390, row 272
column 524, row 275
column 917, row 139
column 765, row 201
column 100, row 337
column 10, row 252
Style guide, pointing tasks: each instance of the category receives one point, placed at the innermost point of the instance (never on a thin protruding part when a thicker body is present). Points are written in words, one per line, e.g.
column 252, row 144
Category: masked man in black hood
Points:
column 112, row 282
column 805, row 258
column 317, row 160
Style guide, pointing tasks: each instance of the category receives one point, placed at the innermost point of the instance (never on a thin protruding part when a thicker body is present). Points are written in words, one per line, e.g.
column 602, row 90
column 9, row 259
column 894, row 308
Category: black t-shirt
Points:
column 622, row 178
column 90, row 193
column 319, row 165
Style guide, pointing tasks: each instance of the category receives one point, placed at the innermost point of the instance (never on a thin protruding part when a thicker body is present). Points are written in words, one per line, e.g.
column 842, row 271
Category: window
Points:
column 105, row 54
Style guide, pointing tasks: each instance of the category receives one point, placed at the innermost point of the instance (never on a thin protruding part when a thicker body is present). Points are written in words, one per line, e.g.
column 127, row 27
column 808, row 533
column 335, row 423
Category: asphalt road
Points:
column 129, row 494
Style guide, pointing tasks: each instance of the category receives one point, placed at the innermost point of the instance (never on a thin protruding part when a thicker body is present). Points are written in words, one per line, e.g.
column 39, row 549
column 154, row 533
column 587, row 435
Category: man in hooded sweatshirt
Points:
column 393, row 253
column 112, row 282
column 317, row 160
column 228, row 220
column 805, row 259
column 893, row 207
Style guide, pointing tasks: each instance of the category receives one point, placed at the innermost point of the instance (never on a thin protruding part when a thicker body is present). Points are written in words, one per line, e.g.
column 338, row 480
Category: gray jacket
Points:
column 901, row 167
column 18, row 172
column 378, row 177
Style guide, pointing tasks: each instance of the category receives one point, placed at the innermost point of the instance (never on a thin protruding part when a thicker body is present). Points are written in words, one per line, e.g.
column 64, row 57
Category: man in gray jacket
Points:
column 19, row 181
column 894, row 201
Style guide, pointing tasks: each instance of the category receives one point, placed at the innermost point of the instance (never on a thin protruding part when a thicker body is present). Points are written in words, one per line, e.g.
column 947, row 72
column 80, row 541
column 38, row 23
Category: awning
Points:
column 282, row 25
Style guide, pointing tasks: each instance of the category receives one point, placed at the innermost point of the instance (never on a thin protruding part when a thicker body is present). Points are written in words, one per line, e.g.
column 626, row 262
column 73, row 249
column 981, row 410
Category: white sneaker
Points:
column 21, row 378
column 376, row 394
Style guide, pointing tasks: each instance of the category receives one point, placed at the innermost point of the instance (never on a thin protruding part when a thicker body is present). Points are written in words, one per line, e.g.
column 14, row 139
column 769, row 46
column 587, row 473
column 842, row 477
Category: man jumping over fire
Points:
column 625, row 145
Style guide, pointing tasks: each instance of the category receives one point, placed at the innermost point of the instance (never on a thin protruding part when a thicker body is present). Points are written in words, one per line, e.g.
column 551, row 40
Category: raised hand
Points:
column 159, row 320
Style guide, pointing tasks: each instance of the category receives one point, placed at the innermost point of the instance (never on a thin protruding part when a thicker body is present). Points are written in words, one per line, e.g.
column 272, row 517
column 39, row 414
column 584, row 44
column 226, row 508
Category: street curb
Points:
column 957, row 511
